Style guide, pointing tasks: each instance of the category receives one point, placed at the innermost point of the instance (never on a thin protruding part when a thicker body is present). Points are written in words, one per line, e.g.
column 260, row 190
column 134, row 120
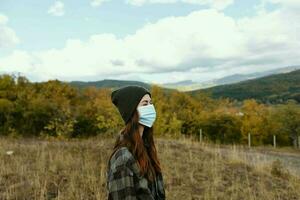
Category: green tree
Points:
column 223, row 128
column 6, row 108
column 288, row 115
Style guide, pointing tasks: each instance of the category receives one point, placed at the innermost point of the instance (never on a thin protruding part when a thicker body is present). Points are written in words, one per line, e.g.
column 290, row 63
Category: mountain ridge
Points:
column 276, row 88
column 234, row 78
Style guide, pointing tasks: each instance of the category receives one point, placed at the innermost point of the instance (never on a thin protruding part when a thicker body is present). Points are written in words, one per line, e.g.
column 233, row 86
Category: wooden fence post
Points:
column 274, row 141
column 200, row 135
column 249, row 139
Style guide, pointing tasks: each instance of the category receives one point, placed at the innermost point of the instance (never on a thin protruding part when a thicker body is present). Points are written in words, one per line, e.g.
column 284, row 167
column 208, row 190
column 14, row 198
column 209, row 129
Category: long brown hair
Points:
column 142, row 148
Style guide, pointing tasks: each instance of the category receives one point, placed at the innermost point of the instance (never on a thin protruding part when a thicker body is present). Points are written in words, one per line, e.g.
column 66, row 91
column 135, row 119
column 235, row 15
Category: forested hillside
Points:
column 271, row 89
column 57, row 109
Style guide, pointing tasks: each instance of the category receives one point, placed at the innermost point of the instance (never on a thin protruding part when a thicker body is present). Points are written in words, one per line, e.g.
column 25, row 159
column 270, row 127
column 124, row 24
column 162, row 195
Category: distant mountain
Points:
column 185, row 85
column 189, row 85
column 242, row 77
column 108, row 83
column 180, row 83
column 113, row 84
column 270, row 89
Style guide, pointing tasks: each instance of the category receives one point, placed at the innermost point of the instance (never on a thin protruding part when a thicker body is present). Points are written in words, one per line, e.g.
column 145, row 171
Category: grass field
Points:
column 39, row 169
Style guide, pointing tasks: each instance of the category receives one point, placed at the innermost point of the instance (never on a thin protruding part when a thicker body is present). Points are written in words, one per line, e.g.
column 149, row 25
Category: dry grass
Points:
column 74, row 169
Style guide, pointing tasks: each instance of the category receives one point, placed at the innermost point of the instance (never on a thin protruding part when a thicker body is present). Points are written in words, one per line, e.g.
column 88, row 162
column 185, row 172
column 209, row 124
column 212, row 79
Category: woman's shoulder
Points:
column 121, row 157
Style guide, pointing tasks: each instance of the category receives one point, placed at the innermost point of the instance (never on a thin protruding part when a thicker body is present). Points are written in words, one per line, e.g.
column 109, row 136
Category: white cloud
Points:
column 96, row 3
column 3, row 19
column 57, row 9
column 217, row 4
column 204, row 44
column 8, row 37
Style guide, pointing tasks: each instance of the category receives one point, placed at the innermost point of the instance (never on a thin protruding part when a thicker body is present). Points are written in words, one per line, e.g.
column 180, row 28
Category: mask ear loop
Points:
column 121, row 135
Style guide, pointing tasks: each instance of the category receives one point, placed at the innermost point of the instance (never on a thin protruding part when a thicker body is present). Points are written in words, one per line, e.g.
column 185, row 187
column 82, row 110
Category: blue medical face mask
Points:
column 147, row 115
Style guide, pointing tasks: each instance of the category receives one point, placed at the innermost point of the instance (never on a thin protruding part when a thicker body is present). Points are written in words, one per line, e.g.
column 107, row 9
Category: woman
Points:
column 134, row 170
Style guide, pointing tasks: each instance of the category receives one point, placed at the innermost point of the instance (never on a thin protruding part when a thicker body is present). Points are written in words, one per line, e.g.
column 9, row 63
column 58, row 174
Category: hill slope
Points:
column 270, row 89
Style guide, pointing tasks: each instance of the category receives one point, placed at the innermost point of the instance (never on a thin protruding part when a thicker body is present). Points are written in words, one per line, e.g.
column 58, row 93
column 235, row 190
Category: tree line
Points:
column 57, row 109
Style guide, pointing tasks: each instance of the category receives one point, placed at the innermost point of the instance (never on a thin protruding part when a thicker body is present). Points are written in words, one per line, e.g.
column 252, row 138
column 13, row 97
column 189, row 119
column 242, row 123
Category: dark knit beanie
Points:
column 127, row 98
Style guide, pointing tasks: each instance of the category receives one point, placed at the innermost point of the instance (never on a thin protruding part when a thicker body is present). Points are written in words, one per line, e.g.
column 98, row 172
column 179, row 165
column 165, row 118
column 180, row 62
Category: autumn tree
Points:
column 160, row 102
column 253, row 121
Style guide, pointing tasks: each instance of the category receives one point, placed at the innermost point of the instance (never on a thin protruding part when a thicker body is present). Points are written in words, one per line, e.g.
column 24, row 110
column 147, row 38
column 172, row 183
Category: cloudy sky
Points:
column 148, row 40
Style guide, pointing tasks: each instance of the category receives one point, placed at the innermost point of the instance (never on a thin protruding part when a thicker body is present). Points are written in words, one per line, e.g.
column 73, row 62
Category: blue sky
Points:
column 39, row 30
column 147, row 40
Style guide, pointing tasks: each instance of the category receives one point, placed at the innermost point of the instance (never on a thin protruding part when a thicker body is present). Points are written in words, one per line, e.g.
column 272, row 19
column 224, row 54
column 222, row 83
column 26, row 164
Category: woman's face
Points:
column 146, row 100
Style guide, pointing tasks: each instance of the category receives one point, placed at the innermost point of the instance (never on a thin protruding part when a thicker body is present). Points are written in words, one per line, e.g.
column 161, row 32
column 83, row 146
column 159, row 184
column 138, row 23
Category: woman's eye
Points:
column 145, row 104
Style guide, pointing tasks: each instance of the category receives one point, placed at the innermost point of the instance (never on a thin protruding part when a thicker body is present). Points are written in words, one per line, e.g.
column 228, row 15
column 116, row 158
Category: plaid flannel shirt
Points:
column 125, row 182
